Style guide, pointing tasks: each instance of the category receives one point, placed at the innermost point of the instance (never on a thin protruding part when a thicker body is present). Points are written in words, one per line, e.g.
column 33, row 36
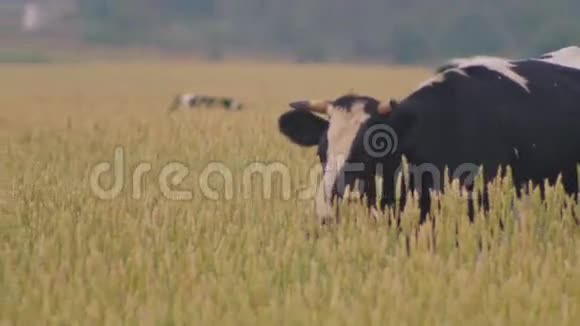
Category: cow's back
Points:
column 479, row 116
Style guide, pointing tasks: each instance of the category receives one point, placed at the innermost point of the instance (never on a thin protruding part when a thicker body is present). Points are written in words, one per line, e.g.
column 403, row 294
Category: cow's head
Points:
column 354, row 135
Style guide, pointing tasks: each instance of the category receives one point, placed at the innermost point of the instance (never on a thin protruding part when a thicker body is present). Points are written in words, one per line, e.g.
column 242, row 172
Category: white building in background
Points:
column 30, row 17
column 38, row 14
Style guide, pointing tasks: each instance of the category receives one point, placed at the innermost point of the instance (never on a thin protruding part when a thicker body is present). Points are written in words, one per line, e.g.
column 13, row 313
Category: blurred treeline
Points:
column 402, row 31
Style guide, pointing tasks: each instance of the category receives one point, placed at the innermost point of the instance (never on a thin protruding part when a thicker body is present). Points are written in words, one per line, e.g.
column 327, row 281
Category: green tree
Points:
column 406, row 31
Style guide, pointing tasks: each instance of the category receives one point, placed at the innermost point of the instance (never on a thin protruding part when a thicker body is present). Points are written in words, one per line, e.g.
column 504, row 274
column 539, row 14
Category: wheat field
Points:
column 224, row 252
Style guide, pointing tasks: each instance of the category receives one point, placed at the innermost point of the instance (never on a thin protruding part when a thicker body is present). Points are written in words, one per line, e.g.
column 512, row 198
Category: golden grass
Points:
column 68, row 257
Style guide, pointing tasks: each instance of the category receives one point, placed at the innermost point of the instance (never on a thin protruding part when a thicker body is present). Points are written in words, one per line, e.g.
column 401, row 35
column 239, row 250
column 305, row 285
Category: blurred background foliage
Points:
column 389, row 31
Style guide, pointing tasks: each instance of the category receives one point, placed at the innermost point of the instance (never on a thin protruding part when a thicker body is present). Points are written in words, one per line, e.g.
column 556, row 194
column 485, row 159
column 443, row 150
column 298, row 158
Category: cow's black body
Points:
column 481, row 117
column 487, row 120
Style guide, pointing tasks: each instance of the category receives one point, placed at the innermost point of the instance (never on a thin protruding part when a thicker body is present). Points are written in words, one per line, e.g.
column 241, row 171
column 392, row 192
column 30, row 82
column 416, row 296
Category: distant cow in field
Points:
column 475, row 112
column 191, row 101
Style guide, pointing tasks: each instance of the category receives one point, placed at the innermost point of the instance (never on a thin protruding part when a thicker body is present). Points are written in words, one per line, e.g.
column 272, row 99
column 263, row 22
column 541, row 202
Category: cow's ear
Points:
column 386, row 107
column 302, row 127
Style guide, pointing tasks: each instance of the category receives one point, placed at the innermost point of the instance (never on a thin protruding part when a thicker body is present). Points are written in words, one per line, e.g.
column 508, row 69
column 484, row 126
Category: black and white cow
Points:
column 475, row 112
column 194, row 100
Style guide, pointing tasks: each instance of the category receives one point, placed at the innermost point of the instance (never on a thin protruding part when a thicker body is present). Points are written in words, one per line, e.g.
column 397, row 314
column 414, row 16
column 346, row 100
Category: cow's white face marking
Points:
column 567, row 57
column 500, row 65
column 344, row 125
